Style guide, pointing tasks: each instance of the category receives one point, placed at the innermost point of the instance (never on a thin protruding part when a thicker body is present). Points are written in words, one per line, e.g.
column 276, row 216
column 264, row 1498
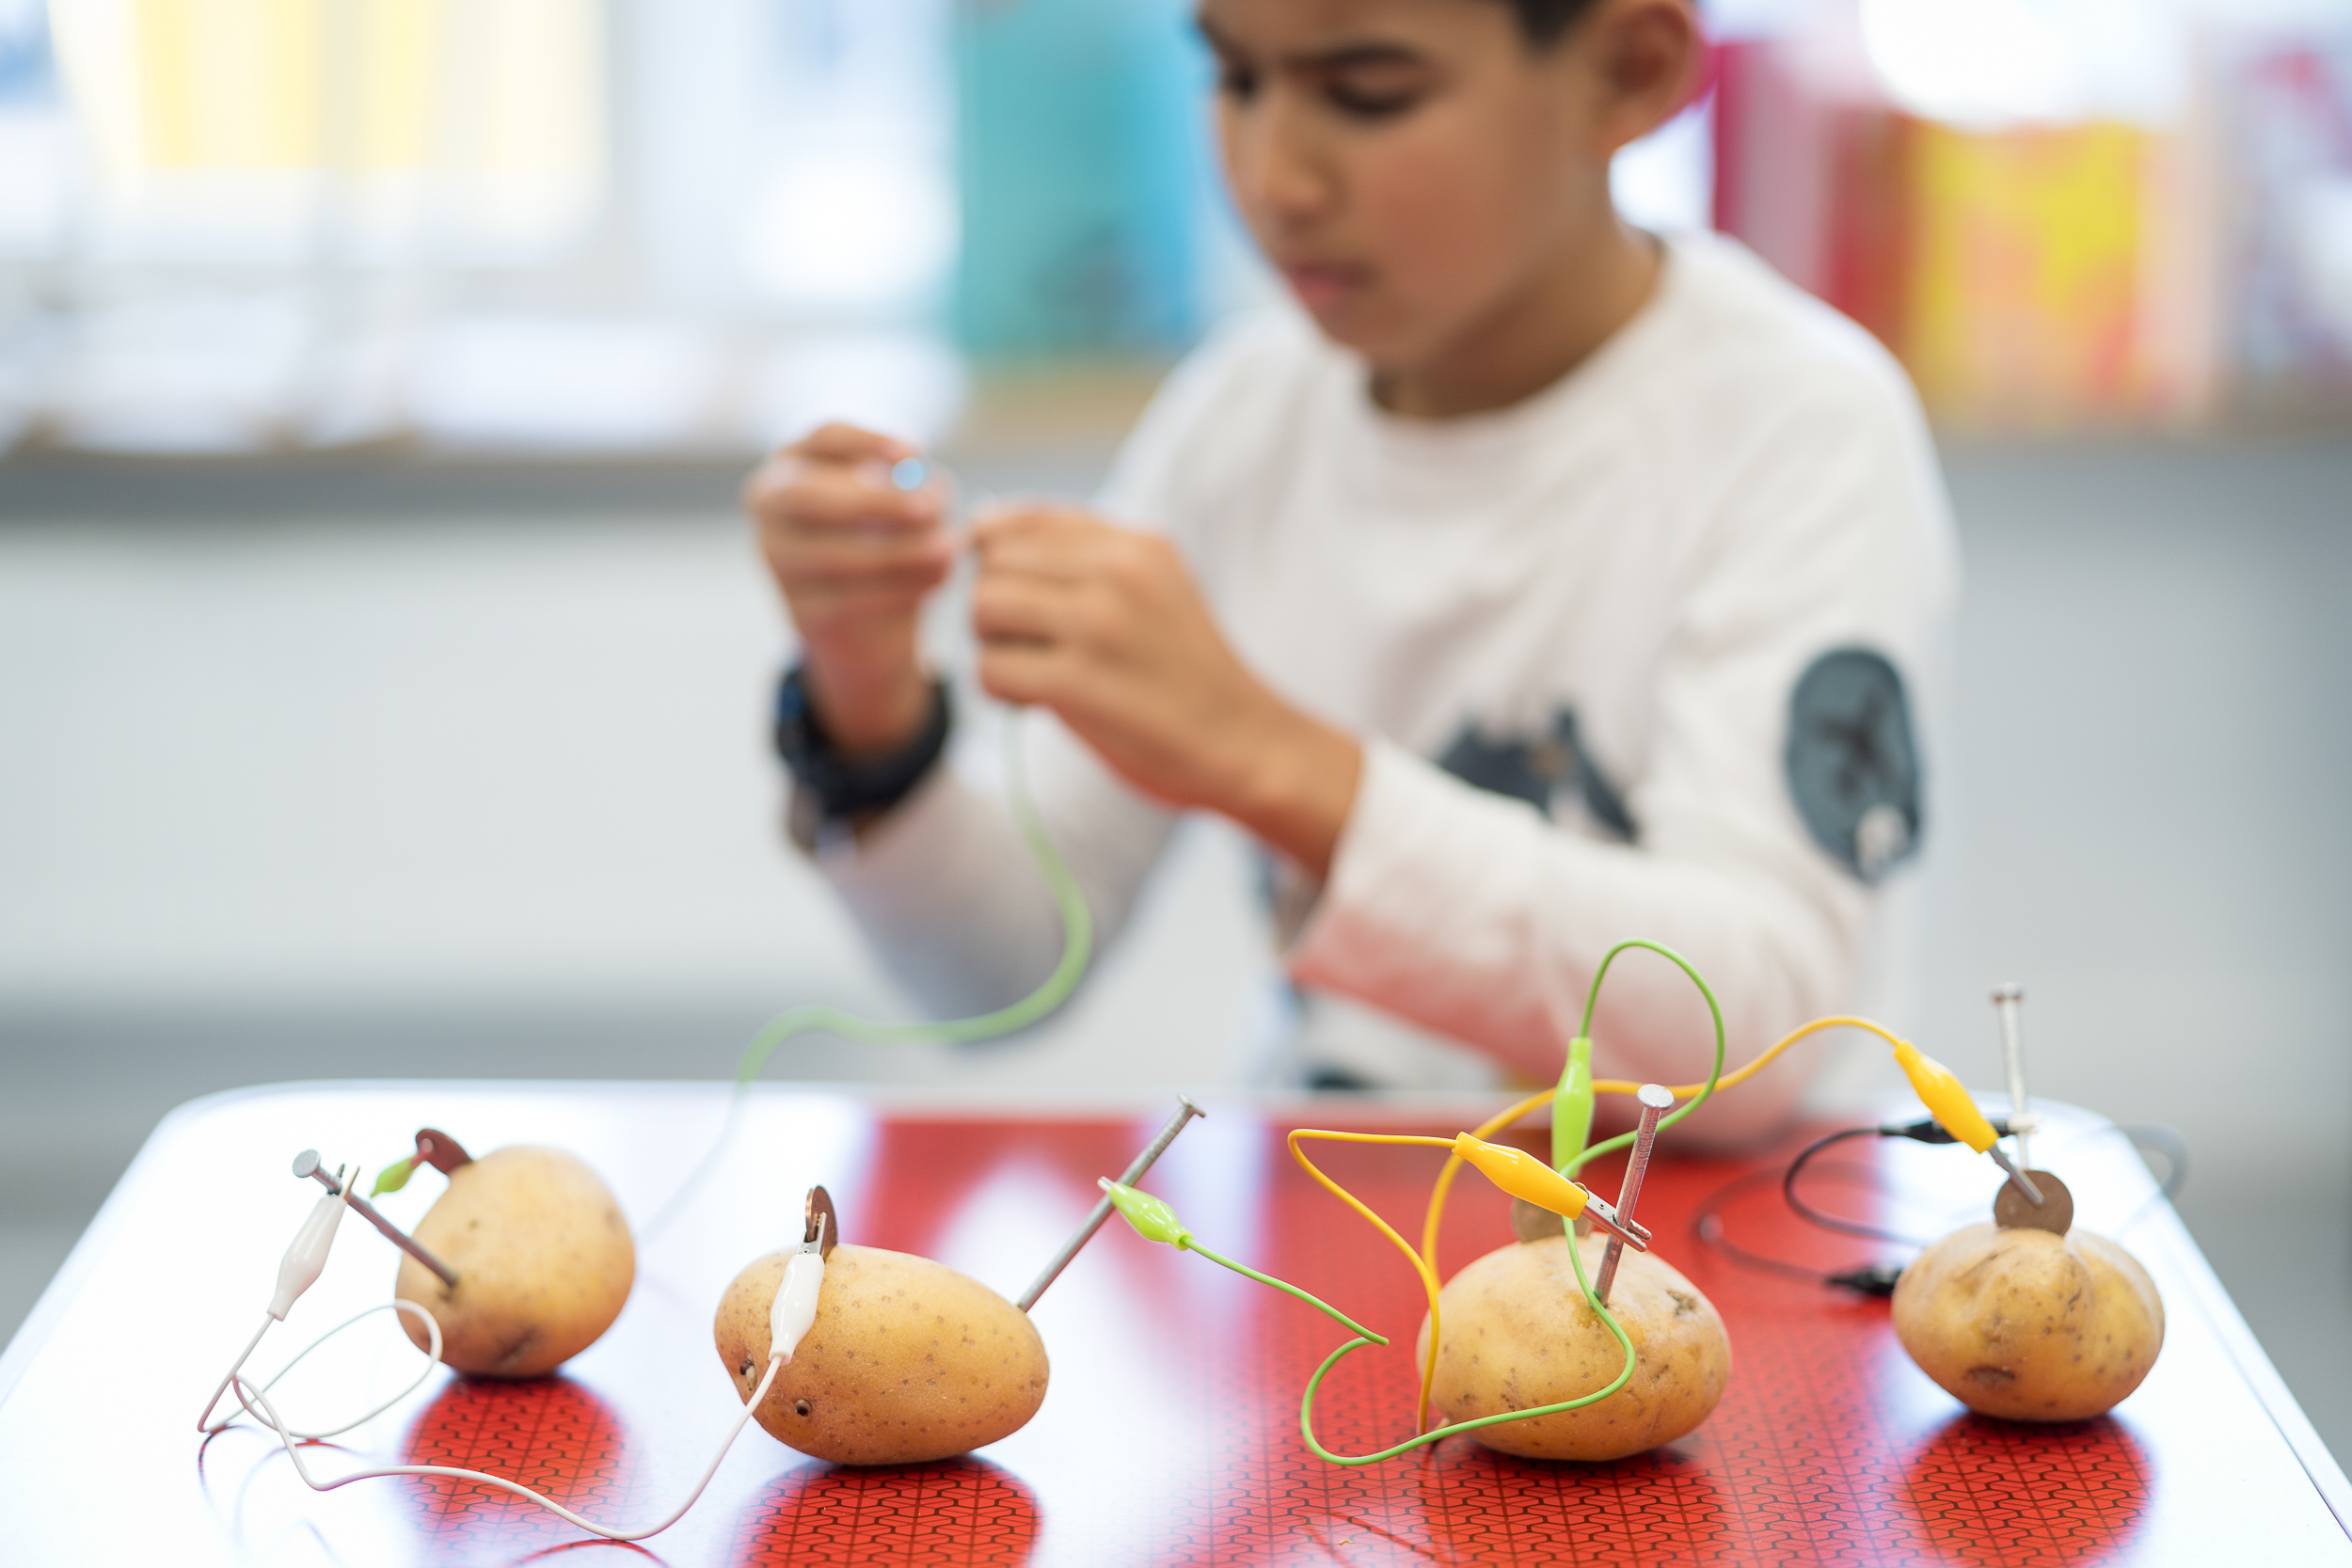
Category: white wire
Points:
column 231, row 1376
column 432, row 1359
column 249, row 1396
column 269, row 1413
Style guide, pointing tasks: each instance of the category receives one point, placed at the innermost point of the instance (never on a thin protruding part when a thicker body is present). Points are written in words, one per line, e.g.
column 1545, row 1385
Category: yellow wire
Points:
column 1445, row 1182
column 1425, row 1261
column 1427, row 1271
column 1684, row 1091
column 1428, row 1260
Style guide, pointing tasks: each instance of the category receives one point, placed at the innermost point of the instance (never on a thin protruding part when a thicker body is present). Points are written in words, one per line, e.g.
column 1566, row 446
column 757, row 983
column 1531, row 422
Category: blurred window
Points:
column 671, row 225
column 628, row 224
column 368, row 132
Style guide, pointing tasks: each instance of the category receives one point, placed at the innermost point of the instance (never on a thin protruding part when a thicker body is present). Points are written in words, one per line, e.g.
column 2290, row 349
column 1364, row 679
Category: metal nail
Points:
column 1185, row 1111
column 1656, row 1100
column 2025, row 1183
column 2006, row 999
column 306, row 1164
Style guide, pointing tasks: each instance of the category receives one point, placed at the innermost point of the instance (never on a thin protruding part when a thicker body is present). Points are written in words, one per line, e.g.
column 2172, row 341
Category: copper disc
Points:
column 819, row 1204
column 1530, row 1224
column 2013, row 1211
column 439, row 1150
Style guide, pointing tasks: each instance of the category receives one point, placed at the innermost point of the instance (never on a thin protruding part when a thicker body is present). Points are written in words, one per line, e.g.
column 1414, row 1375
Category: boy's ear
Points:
column 1648, row 56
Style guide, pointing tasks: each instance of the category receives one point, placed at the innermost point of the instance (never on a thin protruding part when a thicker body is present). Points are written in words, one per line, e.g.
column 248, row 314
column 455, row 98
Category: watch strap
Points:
column 843, row 786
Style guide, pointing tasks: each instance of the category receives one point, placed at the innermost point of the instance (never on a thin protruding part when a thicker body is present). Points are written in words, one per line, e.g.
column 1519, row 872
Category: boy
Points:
column 1535, row 585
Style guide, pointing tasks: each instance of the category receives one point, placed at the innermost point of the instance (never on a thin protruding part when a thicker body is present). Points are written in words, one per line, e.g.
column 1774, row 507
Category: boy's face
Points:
column 1412, row 166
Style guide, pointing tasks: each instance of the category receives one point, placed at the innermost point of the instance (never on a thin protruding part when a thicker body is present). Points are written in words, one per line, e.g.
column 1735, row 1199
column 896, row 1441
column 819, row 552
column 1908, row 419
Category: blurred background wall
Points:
column 614, row 226
column 382, row 660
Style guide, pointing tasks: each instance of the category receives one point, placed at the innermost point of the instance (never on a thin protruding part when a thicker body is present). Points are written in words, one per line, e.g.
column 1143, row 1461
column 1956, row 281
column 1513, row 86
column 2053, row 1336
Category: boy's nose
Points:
column 1277, row 170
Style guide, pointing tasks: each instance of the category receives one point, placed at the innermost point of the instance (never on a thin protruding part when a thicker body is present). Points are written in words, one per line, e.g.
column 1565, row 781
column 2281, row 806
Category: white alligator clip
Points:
column 306, row 1258
column 795, row 1307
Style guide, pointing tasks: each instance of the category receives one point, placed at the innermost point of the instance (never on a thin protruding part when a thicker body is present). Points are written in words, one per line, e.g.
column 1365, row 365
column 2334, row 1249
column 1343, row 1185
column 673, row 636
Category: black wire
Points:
column 1706, row 1225
column 1832, row 1222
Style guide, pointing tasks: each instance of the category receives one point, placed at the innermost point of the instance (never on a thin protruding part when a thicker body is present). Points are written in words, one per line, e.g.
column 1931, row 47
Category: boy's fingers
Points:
column 846, row 443
column 1006, row 526
column 1059, row 549
column 833, row 558
column 846, row 599
column 1019, row 673
column 849, row 604
column 793, row 493
column 1017, row 609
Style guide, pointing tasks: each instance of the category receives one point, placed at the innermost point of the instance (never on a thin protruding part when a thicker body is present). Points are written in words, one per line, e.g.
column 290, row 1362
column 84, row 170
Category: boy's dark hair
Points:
column 1542, row 21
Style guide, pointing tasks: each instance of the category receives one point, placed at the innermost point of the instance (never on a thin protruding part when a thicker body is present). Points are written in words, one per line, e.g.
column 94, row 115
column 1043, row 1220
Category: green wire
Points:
column 1077, row 949
column 1592, row 998
column 1366, row 1336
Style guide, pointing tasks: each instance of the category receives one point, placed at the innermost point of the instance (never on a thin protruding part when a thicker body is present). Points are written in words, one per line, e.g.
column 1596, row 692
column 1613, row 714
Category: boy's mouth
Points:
column 1320, row 285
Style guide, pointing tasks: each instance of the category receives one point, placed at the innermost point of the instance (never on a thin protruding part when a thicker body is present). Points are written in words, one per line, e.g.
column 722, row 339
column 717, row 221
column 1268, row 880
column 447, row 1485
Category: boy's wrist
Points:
column 868, row 713
column 838, row 787
column 1297, row 787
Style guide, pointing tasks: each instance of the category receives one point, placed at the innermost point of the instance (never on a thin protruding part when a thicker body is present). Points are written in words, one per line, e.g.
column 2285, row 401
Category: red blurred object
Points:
column 1171, row 1435
column 1811, row 174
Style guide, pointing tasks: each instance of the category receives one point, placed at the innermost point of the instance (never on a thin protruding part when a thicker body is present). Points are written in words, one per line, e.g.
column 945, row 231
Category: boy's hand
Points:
column 854, row 556
column 1104, row 626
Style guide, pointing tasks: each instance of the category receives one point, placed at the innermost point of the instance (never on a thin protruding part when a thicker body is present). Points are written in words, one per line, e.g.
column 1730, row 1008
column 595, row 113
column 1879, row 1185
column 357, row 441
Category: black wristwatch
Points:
column 841, row 787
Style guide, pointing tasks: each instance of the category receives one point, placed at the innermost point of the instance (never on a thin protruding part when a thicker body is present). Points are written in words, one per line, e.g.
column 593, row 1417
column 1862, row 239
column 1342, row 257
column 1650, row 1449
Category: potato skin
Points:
column 2028, row 1326
column 1519, row 1334
column 908, row 1360
column 544, row 1263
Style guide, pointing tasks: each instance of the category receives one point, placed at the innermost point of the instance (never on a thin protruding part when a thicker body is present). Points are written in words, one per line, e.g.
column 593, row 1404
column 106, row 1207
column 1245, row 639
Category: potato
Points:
column 1519, row 1334
column 2030, row 1325
column 542, row 1258
column 908, row 1360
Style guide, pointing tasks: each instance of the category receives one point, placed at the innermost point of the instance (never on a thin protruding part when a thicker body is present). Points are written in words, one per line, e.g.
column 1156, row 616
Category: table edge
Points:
column 24, row 1345
column 2253, row 1363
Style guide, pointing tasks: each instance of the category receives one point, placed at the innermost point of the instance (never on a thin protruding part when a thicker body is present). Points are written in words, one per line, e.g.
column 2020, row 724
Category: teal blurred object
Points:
column 1085, row 169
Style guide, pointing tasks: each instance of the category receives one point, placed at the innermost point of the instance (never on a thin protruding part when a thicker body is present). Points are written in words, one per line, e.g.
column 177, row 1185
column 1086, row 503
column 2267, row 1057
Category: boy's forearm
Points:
column 1297, row 787
column 1465, row 912
column 950, row 895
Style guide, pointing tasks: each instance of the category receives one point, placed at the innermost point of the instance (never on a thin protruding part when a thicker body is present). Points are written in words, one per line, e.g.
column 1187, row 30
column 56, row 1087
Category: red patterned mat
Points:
column 1171, row 1435
column 1808, row 1460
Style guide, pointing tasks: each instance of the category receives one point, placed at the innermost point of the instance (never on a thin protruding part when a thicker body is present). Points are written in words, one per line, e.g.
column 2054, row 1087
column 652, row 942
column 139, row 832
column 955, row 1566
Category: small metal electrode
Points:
column 1656, row 1100
column 306, row 1164
column 2021, row 1120
column 1185, row 1111
column 2023, row 1181
column 819, row 1223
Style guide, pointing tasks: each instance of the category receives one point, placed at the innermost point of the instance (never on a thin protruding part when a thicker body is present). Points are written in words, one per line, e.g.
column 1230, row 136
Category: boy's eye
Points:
column 1372, row 105
column 1375, row 92
column 1237, row 82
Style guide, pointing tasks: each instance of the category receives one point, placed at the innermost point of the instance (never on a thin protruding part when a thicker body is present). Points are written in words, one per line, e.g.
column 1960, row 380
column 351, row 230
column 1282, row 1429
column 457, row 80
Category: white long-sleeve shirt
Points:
column 1681, row 612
